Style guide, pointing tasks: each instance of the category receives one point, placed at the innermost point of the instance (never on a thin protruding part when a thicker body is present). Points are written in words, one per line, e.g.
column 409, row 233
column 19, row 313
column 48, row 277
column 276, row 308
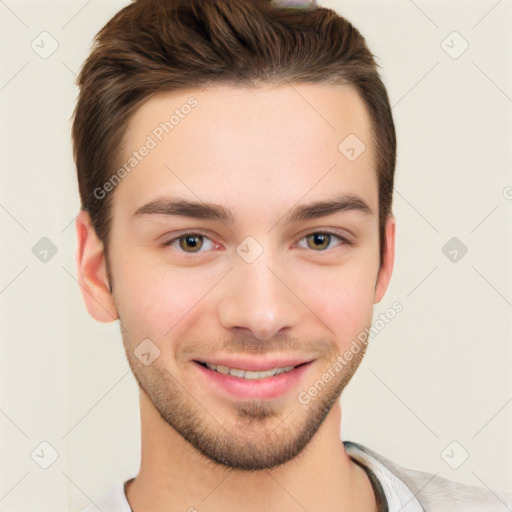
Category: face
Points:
column 243, row 239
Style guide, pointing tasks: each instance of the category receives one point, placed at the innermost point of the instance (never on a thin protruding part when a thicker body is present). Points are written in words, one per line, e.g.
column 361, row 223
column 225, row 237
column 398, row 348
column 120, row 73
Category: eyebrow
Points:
column 215, row 212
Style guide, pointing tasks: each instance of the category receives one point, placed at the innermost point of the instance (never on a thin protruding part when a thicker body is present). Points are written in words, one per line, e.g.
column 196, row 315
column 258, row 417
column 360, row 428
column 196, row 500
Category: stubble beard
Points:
column 253, row 434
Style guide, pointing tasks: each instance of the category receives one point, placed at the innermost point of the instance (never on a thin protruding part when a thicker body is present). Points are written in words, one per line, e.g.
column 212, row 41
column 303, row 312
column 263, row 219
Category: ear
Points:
column 388, row 260
column 92, row 271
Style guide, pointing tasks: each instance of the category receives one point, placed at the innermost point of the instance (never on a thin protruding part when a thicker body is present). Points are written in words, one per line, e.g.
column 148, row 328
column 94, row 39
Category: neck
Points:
column 174, row 476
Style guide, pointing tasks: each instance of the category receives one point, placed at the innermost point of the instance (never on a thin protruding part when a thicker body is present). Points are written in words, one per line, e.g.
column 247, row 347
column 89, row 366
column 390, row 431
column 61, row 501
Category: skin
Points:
column 259, row 152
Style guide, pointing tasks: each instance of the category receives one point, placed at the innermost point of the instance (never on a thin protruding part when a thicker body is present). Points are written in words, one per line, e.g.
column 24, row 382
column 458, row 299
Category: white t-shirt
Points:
column 394, row 494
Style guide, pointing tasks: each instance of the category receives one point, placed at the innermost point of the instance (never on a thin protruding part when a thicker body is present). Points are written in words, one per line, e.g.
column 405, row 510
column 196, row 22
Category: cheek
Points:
column 342, row 297
column 156, row 300
column 348, row 312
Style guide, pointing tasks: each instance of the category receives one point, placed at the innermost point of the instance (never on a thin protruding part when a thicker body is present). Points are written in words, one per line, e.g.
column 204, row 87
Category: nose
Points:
column 256, row 297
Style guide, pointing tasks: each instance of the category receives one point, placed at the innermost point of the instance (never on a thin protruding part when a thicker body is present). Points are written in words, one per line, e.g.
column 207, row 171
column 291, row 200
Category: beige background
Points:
column 438, row 373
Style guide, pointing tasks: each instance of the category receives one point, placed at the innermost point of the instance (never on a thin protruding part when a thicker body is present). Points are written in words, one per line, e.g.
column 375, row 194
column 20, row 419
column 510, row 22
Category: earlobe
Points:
column 388, row 260
column 92, row 271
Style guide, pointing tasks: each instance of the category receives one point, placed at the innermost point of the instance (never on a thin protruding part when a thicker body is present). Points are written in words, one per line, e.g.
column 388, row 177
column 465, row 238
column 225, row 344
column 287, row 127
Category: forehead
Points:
column 254, row 146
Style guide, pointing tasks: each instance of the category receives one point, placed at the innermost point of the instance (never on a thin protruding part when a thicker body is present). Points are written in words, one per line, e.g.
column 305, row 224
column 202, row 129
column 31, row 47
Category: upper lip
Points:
column 254, row 364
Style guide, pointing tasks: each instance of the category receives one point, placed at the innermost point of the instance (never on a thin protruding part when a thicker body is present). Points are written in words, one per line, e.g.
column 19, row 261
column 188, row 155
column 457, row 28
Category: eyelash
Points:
column 343, row 241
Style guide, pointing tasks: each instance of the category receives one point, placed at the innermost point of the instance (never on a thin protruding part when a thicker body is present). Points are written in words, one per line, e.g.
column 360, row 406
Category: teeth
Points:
column 250, row 375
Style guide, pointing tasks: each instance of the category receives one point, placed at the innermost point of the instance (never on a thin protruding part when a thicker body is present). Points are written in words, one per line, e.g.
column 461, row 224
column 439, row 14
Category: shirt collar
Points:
column 398, row 495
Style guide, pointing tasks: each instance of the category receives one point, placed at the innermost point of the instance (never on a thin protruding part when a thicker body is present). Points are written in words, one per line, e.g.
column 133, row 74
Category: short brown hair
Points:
column 154, row 46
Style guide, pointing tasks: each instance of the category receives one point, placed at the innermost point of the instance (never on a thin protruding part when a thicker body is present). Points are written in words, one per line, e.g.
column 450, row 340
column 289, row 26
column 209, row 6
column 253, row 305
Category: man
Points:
column 235, row 160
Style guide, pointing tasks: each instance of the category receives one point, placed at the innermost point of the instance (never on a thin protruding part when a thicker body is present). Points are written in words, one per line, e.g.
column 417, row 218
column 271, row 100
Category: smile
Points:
column 247, row 374
column 257, row 383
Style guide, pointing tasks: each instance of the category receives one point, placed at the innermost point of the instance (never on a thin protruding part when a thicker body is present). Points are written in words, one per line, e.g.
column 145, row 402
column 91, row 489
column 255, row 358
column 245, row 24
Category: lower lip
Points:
column 269, row 387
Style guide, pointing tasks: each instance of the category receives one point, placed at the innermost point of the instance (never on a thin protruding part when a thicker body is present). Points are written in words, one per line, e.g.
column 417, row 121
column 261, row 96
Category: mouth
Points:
column 249, row 374
column 268, row 380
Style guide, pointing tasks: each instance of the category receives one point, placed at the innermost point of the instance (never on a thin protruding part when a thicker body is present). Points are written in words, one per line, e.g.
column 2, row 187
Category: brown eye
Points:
column 193, row 242
column 318, row 240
